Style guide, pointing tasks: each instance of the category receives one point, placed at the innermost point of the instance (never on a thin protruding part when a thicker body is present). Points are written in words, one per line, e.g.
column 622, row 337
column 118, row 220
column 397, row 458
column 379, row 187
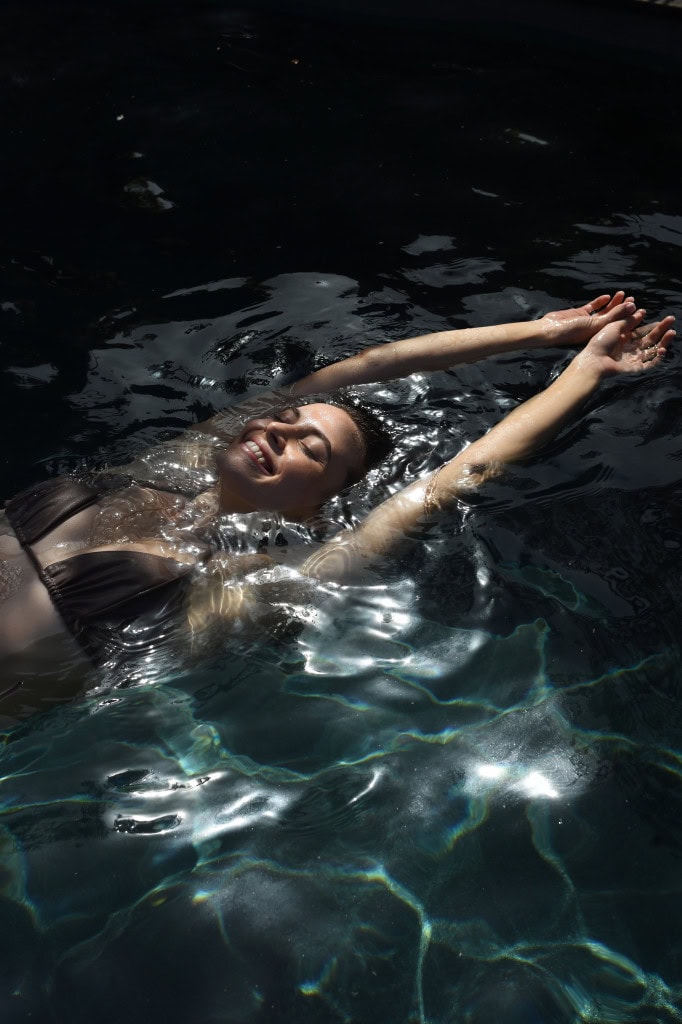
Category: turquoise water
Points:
column 454, row 796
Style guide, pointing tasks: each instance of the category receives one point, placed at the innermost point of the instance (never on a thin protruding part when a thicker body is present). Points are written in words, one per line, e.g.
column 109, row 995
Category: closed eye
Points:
column 320, row 449
column 312, row 454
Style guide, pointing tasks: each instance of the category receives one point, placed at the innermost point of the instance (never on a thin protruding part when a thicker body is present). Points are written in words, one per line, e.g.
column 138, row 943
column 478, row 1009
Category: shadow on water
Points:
column 453, row 796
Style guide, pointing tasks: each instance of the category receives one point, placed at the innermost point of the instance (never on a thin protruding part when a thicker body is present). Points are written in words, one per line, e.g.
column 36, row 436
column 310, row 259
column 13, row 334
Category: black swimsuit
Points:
column 95, row 592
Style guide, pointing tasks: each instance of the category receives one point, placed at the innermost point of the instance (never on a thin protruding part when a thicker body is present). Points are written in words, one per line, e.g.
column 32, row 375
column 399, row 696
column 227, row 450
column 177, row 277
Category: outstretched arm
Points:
column 430, row 352
column 445, row 349
column 615, row 349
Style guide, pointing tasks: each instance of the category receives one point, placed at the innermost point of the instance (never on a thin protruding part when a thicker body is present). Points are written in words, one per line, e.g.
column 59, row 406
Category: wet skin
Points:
column 291, row 462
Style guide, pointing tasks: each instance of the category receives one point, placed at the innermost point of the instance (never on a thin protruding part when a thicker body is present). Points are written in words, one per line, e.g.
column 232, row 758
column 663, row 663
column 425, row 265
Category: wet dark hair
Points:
column 376, row 438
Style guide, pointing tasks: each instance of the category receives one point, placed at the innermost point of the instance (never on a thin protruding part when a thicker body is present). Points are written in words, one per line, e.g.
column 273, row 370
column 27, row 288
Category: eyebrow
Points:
column 313, row 430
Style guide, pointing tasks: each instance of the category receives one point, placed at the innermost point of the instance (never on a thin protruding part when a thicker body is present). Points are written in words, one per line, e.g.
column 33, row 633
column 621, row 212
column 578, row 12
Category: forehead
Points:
column 346, row 441
column 321, row 415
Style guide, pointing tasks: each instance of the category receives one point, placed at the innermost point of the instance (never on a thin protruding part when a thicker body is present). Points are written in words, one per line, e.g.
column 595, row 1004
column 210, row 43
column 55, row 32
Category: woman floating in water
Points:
column 84, row 561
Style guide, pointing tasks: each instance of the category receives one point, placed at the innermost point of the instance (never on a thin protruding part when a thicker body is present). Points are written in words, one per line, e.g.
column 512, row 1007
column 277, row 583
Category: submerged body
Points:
column 82, row 564
column 74, row 575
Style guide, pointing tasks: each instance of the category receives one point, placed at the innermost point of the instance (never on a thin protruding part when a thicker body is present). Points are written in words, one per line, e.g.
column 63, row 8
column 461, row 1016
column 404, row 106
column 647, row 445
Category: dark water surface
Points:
column 457, row 796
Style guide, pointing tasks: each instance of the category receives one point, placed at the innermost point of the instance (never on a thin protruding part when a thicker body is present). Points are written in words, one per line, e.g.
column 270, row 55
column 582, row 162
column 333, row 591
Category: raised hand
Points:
column 627, row 347
column 576, row 326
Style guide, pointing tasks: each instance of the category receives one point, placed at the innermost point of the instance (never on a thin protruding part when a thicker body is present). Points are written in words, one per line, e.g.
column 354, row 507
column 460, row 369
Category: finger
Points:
column 641, row 332
column 634, row 319
column 617, row 300
column 659, row 329
column 626, row 311
column 657, row 332
column 654, row 355
column 665, row 342
column 596, row 305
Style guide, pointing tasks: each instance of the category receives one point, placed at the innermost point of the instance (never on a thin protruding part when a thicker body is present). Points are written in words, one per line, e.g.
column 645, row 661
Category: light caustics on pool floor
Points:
column 393, row 862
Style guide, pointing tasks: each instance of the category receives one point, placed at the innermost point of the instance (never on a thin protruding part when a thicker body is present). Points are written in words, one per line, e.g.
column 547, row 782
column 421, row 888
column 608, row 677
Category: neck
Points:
column 229, row 502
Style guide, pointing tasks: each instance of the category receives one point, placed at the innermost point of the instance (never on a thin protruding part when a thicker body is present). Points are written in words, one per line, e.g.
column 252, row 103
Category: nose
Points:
column 277, row 434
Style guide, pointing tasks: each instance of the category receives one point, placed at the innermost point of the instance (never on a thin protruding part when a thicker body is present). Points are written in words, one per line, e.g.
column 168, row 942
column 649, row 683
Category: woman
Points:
column 85, row 561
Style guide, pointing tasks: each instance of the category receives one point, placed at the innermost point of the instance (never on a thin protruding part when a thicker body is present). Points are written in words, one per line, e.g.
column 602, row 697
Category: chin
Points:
column 236, row 484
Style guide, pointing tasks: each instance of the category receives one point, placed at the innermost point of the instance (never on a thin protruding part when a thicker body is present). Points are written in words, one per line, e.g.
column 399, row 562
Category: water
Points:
column 454, row 796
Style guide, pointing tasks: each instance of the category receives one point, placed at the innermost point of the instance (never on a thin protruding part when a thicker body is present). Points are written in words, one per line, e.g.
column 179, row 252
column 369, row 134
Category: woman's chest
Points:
column 136, row 519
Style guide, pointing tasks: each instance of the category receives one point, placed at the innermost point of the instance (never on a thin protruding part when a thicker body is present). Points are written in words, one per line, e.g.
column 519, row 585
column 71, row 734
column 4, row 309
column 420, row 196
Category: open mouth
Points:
column 260, row 456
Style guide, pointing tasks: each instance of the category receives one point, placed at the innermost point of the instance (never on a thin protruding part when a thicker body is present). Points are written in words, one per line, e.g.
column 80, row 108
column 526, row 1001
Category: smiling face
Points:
column 291, row 462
